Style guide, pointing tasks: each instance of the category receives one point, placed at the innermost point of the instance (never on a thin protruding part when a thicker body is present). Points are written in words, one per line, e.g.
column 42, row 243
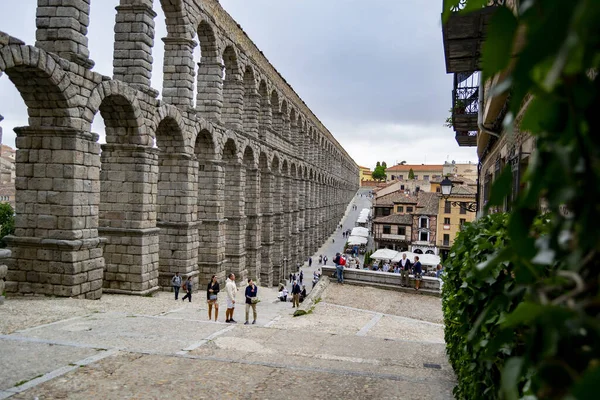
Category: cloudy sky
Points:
column 372, row 71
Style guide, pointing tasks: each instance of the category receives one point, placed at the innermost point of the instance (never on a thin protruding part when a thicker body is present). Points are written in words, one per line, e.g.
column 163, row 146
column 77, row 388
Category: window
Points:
column 426, row 177
column 462, row 222
column 437, row 189
column 387, row 229
column 393, row 177
column 463, row 207
column 401, row 230
column 446, row 221
column 424, row 222
column 401, row 187
column 446, row 239
column 416, row 177
column 400, row 209
column 400, row 177
column 409, row 209
column 387, row 211
column 424, row 236
column 447, row 207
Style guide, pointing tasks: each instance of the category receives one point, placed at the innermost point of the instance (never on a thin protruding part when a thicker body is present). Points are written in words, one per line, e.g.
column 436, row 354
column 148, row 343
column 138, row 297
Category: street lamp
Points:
column 447, row 186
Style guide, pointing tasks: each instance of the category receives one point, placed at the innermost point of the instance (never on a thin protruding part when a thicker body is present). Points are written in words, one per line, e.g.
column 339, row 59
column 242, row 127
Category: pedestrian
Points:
column 251, row 300
column 295, row 294
column 404, row 270
column 291, row 277
column 303, row 294
column 212, row 291
column 325, row 260
column 187, row 286
column 301, row 276
column 230, row 289
column 309, row 261
column 417, row 271
column 320, row 258
column 176, row 283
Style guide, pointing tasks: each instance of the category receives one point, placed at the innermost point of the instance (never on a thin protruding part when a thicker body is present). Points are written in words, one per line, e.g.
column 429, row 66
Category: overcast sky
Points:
column 372, row 71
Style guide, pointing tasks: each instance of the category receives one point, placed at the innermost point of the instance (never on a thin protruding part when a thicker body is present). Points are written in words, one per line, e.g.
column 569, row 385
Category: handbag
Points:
column 212, row 297
column 254, row 300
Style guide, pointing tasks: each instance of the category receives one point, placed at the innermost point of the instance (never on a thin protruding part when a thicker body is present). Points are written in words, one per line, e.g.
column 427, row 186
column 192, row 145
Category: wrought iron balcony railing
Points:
column 465, row 101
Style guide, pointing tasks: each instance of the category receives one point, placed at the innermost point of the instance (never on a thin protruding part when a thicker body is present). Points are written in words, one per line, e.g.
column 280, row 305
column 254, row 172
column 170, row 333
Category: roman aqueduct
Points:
column 243, row 178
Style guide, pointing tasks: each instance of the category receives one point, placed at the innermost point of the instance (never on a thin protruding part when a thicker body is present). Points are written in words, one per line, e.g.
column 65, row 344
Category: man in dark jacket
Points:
column 405, row 267
column 417, row 271
column 296, row 294
column 251, row 292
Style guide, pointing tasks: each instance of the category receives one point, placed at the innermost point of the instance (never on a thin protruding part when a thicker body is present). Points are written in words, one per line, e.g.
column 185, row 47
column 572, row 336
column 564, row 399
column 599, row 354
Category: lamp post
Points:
column 447, row 186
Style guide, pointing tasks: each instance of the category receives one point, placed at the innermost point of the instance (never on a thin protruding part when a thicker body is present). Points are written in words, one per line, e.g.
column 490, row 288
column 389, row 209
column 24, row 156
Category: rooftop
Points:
column 415, row 168
column 401, row 219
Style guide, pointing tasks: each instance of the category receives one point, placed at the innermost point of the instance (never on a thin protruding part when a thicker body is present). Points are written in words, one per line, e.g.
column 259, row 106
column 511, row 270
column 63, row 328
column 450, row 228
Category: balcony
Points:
column 463, row 35
column 465, row 107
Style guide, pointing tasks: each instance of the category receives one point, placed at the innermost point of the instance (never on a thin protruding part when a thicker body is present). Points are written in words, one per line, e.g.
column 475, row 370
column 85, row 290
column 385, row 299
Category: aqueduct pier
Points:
column 242, row 178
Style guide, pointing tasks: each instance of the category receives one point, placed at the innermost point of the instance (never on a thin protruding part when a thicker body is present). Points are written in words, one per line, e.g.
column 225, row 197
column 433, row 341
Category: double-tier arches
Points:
column 267, row 185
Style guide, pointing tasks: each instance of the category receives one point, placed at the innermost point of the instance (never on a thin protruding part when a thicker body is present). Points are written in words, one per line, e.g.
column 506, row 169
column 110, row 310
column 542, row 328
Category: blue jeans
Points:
column 176, row 289
column 339, row 269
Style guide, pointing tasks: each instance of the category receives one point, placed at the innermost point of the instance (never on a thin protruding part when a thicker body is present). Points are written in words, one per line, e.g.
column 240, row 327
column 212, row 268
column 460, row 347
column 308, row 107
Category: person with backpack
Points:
column 187, row 286
column 176, row 283
column 339, row 262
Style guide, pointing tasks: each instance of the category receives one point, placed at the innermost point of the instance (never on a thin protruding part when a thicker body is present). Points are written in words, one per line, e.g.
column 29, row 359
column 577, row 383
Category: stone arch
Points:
column 285, row 120
column 205, row 148
column 169, row 130
column 248, row 158
column 209, row 95
column 208, row 41
column 265, row 114
column 233, row 89
column 42, row 84
column 119, row 107
column 251, row 105
column 277, row 120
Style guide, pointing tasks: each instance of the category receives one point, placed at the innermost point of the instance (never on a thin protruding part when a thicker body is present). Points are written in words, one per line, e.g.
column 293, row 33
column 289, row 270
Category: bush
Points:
column 479, row 292
column 7, row 222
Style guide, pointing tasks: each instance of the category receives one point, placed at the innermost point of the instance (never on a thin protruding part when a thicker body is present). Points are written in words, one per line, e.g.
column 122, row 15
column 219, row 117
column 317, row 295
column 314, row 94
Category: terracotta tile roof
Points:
column 401, row 219
column 428, row 203
column 415, row 168
column 464, row 190
column 395, row 198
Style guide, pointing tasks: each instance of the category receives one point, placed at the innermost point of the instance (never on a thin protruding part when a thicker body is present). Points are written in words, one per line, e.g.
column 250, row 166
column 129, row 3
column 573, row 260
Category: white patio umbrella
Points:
column 384, row 254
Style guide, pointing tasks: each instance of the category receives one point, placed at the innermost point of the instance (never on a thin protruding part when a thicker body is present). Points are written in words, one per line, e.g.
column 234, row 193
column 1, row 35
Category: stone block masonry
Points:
column 243, row 178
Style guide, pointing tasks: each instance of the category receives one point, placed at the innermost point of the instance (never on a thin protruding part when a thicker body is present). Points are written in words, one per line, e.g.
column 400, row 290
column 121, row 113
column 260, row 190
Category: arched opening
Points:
column 235, row 179
column 128, row 188
column 418, row 251
column 277, row 254
column 175, row 204
column 209, row 93
column 233, row 90
column 210, row 214
column 251, row 211
column 251, row 103
column 277, row 121
column 265, row 114
column 266, row 209
column 285, row 120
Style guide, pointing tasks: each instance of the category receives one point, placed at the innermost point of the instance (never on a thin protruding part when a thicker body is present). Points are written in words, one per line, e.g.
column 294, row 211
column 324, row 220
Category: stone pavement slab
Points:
column 23, row 361
column 127, row 376
column 133, row 333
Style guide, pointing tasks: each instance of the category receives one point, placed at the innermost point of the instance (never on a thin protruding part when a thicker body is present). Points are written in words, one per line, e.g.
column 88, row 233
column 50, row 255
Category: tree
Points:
column 378, row 164
column 379, row 173
column 411, row 174
column 7, row 221
column 384, row 165
column 547, row 346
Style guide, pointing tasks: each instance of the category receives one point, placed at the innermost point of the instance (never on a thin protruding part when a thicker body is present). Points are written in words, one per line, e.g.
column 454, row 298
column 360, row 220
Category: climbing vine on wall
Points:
column 557, row 321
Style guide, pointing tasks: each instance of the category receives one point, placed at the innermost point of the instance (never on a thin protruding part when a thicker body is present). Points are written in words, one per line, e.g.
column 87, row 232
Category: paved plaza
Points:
column 357, row 342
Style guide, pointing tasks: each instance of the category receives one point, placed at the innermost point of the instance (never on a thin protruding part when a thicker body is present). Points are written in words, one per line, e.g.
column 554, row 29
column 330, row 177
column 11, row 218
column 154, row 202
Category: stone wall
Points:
column 243, row 178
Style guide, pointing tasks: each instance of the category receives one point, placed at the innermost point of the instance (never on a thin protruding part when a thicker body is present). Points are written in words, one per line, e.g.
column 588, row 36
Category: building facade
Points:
column 421, row 172
column 229, row 171
column 451, row 217
column 365, row 176
column 477, row 116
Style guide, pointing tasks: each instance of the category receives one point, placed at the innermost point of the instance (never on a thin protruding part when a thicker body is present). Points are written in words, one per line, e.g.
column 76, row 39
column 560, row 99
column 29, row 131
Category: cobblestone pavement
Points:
column 355, row 343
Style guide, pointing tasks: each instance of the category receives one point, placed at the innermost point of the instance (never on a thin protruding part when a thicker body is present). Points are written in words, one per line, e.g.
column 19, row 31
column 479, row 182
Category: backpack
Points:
column 342, row 261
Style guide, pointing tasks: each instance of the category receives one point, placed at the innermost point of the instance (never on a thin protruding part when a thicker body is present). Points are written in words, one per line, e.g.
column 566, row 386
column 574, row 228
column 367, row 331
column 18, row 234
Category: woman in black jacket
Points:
column 211, row 296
